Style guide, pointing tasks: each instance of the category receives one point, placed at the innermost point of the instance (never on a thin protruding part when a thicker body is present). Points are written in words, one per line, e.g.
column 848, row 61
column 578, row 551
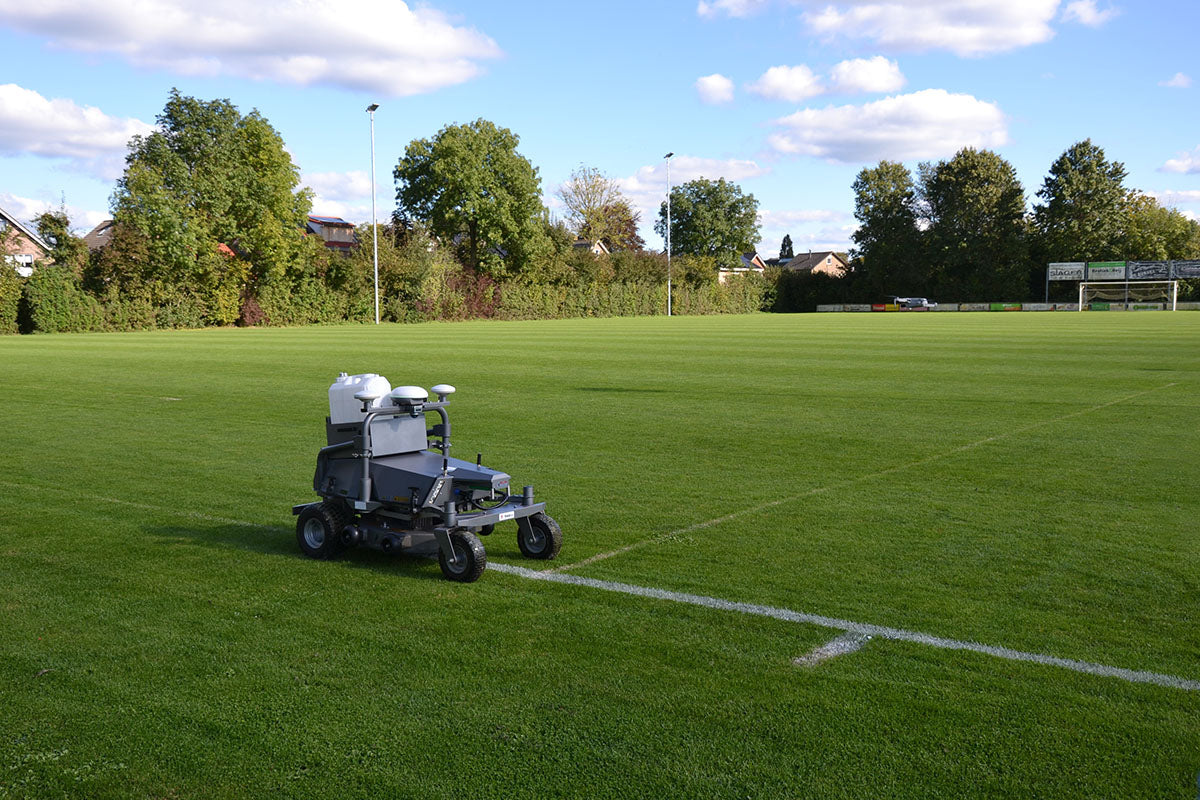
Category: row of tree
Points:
column 209, row 229
column 960, row 229
column 469, row 186
column 210, row 217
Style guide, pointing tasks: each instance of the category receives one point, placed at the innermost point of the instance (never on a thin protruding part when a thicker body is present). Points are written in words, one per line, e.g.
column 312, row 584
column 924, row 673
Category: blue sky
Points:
column 788, row 98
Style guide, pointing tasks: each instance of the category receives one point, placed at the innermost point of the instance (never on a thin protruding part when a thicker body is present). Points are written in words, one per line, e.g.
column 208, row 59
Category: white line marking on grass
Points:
column 661, row 537
column 787, row 615
column 843, row 645
column 860, row 628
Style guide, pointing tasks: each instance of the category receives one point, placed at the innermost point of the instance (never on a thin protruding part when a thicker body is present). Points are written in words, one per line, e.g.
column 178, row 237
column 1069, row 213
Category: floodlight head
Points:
column 668, row 155
column 373, row 107
column 409, row 395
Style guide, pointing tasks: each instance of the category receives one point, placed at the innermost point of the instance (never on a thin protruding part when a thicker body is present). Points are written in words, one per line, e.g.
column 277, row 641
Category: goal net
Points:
column 1101, row 295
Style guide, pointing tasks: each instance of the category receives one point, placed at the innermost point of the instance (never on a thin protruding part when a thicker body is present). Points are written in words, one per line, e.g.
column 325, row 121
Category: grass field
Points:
column 1025, row 481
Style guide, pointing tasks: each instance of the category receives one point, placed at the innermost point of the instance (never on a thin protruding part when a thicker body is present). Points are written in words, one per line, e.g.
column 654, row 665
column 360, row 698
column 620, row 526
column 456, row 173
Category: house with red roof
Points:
column 337, row 233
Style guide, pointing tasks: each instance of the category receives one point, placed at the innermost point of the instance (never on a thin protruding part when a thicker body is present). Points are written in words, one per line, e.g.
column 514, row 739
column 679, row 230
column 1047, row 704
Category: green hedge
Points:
column 741, row 295
column 10, row 298
column 52, row 302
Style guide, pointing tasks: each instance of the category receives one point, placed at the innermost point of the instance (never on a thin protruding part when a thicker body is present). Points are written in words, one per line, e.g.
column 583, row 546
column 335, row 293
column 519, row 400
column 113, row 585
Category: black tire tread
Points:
column 475, row 553
column 334, row 517
column 549, row 528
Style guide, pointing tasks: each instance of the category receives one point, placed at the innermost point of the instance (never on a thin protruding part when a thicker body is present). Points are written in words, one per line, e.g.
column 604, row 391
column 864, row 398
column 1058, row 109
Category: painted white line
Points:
column 784, row 614
column 843, row 645
column 661, row 537
column 861, row 628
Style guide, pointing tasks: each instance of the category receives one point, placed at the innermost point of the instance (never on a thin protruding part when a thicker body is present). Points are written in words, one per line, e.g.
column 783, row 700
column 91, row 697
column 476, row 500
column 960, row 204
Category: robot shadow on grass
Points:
column 282, row 543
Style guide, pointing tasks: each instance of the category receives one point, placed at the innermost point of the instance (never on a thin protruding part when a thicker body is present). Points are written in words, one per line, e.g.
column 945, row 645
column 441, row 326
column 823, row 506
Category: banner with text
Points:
column 1185, row 269
column 1067, row 270
column 1149, row 270
column 1106, row 271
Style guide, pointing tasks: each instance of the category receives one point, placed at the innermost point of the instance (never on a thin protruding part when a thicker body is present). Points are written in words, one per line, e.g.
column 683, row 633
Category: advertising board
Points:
column 1106, row 271
column 1185, row 269
column 1066, row 270
column 1149, row 270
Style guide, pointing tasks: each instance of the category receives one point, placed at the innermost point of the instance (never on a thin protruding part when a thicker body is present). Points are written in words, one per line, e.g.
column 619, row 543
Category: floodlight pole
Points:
column 668, row 158
column 374, row 225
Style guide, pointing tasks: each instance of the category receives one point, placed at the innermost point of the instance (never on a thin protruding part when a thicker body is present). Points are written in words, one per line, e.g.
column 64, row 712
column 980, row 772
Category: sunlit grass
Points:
column 1025, row 480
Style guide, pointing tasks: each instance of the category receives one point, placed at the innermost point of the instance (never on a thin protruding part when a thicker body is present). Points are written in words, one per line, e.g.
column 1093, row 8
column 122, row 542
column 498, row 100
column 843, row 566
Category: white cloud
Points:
column 90, row 140
column 867, row 75
column 715, row 89
column 1177, row 81
column 646, row 189
column 26, row 209
column 834, row 237
column 346, row 195
column 373, row 45
column 810, row 229
column 1192, row 215
column 966, row 28
column 687, row 168
column 358, row 213
column 1175, row 197
column 1188, row 163
column 731, row 8
column 353, row 185
column 798, row 83
column 787, row 83
column 1085, row 13
column 932, row 123
column 830, row 237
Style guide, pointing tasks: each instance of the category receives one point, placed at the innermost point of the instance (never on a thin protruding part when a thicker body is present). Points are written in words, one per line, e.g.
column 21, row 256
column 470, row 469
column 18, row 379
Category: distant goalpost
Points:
column 1165, row 292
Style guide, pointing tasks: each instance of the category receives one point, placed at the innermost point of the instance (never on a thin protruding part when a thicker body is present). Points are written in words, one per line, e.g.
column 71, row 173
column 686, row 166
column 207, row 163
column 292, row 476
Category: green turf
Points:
column 1019, row 480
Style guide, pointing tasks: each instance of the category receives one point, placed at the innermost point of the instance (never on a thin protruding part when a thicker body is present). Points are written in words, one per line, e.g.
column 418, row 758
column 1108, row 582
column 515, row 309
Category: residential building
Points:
column 99, row 237
column 749, row 262
column 597, row 247
column 337, row 233
column 20, row 246
column 826, row 261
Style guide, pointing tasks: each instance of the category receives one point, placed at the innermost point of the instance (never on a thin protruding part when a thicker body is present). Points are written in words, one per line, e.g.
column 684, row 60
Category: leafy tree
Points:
column 887, row 243
column 620, row 228
column 210, row 176
column 785, row 248
column 586, row 195
column 710, row 218
column 976, row 237
column 469, row 183
column 1081, row 216
column 694, row 270
column 67, row 250
column 1155, row 233
column 596, row 210
column 124, row 263
column 561, row 238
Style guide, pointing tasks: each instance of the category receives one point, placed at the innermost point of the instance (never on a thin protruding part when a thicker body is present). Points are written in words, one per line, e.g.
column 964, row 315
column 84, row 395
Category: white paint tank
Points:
column 345, row 407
